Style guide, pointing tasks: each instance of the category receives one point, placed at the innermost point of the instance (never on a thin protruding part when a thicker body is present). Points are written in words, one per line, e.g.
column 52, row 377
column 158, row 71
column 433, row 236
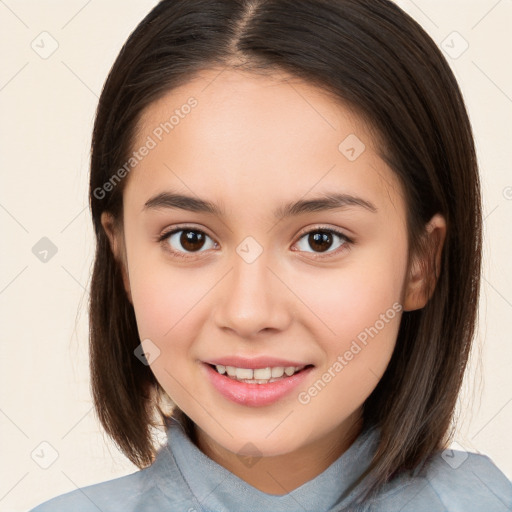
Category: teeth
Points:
column 277, row 372
column 244, row 373
column 258, row 374
column 231, row 371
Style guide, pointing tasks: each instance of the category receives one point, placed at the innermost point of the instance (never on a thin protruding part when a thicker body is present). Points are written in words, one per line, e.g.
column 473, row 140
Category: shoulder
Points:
column 119, row 494
column 470, row 479
column 156, row 487
column 455, row 481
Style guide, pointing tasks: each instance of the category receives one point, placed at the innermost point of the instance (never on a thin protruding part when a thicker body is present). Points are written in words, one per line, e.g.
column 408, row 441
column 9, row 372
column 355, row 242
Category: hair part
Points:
column 372, row 56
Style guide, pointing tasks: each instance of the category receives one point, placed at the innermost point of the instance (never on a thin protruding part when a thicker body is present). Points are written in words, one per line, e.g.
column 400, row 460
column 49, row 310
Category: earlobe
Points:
column 425, row 268
column 114, row 236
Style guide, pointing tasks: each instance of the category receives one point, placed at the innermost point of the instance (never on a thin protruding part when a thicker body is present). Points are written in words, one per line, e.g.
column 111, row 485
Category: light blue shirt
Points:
column 184, row 479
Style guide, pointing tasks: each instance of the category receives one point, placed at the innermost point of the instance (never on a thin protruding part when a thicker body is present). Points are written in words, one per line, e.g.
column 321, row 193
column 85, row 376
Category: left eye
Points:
column 322, row 239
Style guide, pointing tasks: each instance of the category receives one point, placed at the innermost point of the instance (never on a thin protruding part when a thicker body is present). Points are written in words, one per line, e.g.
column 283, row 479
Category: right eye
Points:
column 183, row 241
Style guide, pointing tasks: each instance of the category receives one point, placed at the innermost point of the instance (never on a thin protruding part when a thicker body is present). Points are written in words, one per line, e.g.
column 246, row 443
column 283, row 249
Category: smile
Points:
column 258, row 375
column 255, row 387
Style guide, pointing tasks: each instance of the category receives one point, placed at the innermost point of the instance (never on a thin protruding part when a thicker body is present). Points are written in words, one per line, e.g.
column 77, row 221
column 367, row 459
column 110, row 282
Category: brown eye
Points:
column 186, row 240
column 321, row 241
column 191, row 240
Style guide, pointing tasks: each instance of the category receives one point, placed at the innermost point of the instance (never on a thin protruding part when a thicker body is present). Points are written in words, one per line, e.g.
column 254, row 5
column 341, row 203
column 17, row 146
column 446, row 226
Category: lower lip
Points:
column 255, row 395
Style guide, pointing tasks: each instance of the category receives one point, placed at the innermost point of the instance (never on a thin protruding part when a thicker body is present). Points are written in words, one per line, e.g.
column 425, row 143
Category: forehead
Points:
column 246, row 106
column 236, row 135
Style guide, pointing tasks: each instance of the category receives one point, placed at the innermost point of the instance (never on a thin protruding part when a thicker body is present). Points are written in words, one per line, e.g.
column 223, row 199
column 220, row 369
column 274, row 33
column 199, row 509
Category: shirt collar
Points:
column 216, row 488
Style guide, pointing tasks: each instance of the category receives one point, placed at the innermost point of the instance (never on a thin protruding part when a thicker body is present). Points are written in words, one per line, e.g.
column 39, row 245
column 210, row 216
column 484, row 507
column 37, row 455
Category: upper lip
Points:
column 254, row 362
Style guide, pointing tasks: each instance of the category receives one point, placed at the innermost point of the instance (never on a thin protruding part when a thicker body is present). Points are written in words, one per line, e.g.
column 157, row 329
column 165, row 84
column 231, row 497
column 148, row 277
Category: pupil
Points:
column 189, row 240
column 322, row 240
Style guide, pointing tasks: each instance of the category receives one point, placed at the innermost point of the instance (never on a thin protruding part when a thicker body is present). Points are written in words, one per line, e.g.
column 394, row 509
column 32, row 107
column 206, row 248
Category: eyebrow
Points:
column 328, row 201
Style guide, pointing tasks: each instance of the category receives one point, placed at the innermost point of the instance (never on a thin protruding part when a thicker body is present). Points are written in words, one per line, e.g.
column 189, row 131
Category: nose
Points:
column 253, row 299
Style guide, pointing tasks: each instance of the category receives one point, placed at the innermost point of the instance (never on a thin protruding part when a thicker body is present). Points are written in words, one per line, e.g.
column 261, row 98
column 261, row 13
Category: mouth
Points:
column 259, row 375
column 258, row 386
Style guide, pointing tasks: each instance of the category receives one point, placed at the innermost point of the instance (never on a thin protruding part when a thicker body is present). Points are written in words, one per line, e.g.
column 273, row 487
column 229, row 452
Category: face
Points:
column 251, row 283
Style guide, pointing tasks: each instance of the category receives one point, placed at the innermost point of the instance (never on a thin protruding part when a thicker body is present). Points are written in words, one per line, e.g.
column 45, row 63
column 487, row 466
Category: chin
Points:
column 258, row 444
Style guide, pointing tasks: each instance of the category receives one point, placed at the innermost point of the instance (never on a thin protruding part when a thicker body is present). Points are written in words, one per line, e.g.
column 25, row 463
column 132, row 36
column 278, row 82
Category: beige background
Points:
column 47, row 107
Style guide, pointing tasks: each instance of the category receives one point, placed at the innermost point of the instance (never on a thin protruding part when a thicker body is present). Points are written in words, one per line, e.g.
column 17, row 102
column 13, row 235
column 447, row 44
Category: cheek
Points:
column 351, row 298
column 164, row 299
column 360, row 311
column 167, row 306
column 365, row 317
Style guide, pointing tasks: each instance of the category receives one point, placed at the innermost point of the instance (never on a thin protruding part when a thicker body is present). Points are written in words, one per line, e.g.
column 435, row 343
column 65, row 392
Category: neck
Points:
column 282, row 474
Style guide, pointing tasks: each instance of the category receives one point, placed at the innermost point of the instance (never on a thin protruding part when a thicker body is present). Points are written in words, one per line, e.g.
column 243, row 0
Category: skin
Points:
column 251, row 145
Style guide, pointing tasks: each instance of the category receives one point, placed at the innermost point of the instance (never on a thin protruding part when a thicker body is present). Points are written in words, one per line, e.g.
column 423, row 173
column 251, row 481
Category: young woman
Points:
column 286, row 201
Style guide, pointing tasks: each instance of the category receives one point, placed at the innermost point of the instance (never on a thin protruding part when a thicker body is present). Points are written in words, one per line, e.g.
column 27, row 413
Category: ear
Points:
column 116, row 241
column 425, row 267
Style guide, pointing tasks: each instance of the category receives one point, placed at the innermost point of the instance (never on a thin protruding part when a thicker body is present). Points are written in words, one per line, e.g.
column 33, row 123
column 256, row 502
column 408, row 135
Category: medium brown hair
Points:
column 375, row 58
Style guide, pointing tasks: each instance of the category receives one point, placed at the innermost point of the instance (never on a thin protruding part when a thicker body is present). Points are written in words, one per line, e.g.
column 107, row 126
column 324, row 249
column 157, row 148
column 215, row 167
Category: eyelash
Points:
column 180, row 254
